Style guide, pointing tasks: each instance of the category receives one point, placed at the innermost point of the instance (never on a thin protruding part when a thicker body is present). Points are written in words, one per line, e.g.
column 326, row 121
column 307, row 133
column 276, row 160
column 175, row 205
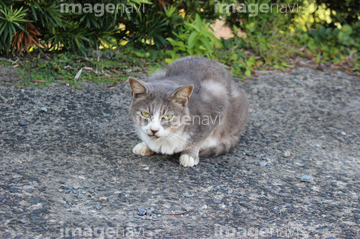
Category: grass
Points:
column 244, row 56
column 106, row 66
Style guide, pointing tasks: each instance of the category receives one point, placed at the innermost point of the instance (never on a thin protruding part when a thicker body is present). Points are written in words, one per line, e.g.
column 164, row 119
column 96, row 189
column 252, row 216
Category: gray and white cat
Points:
column 193, row 108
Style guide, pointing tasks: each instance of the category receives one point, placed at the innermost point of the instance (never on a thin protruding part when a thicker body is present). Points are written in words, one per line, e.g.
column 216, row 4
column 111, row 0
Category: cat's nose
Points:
column 154, row 131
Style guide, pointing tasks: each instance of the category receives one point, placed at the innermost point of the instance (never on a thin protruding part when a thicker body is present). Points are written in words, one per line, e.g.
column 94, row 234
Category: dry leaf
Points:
column 78, row 74
column 115, row 71
column 254, row 73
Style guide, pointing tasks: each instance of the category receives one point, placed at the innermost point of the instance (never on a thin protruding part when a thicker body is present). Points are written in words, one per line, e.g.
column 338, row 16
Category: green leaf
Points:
column 206, row 43
column 193, row 39
column 172, row 41
column 346, row 29
column 198, row 21
column 169, row 60
column 193, row 26
column 138, row 54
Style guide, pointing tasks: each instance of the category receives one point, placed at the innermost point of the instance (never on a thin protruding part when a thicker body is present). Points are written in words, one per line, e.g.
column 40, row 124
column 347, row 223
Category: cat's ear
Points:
column 138, row 88
column 182, row 95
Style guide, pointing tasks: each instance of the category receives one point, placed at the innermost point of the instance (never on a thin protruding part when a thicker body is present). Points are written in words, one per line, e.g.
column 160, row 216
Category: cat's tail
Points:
column 224, row 146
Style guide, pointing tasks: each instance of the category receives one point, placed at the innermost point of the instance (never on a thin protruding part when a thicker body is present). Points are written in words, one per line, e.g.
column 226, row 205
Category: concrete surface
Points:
column 69, row 170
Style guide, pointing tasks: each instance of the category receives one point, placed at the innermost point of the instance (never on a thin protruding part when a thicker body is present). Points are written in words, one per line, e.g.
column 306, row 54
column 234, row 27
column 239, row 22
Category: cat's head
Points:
column 158, row 110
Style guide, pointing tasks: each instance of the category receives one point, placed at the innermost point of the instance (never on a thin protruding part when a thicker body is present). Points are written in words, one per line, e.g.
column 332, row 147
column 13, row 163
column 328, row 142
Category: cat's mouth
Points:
column 154, row 137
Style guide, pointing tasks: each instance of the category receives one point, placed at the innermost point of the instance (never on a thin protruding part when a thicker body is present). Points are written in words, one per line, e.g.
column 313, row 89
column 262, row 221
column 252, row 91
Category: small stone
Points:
column 75, row 192
column 79, row 196
column 141, row 211
column 77, row 213
column 184, row 208
column 23, row 221
column 247, row 153
column 98, row 206
column 217, row 201
column 307, row 178
column 102, row 199
column 91, row 191
column 263, row 163
column 134, row 69
column 107, row 115
column 33, row 200
column 281, row 112
column 149, row 212
column 251, row 111
column 67, row 199
column 154, row 218
column 286, row 154
column 300, row 164
column 37, row 220
column 22, row 123
column 43, row 109
column 7, row 235
column 343, row 133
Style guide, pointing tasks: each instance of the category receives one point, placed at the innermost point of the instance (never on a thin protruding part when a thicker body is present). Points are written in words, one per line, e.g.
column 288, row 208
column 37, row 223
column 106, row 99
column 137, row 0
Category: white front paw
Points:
column 188, row 161
column 142, row 149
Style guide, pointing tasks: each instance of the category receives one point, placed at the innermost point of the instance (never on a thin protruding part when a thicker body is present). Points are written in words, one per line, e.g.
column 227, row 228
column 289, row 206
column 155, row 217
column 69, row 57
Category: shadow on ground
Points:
column 67, row 169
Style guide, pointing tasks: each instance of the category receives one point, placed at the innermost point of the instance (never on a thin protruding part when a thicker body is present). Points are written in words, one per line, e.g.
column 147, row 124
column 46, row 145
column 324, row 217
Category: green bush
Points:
column 343, row 12
column 265, row 16
column 61, row 25
column 58, row 26
column 193, row 39
column 164, row 20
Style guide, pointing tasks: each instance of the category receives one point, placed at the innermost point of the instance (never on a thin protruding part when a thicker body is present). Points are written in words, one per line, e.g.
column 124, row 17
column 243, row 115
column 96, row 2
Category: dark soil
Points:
column 68, row 170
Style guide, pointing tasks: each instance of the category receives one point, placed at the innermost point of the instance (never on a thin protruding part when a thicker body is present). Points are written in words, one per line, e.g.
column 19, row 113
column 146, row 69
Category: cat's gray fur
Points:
column 193, row 86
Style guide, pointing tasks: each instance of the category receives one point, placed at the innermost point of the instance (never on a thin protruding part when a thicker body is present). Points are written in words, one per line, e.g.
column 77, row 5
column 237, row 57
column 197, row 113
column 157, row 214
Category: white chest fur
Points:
column 169, row 144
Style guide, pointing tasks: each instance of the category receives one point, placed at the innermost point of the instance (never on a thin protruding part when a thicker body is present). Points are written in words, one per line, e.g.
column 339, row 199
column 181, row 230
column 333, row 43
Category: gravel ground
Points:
column 67, row 169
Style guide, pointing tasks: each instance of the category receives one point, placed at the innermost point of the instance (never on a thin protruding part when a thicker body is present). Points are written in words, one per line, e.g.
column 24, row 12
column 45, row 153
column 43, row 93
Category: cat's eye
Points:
column 145, row 114
column 167, row 117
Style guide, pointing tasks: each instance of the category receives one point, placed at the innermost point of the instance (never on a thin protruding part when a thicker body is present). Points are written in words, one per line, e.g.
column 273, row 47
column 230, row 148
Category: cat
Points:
column 193, row 107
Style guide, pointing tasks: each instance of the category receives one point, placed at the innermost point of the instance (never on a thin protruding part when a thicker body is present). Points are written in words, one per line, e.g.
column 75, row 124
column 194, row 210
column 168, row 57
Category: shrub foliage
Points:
column 180, row 25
